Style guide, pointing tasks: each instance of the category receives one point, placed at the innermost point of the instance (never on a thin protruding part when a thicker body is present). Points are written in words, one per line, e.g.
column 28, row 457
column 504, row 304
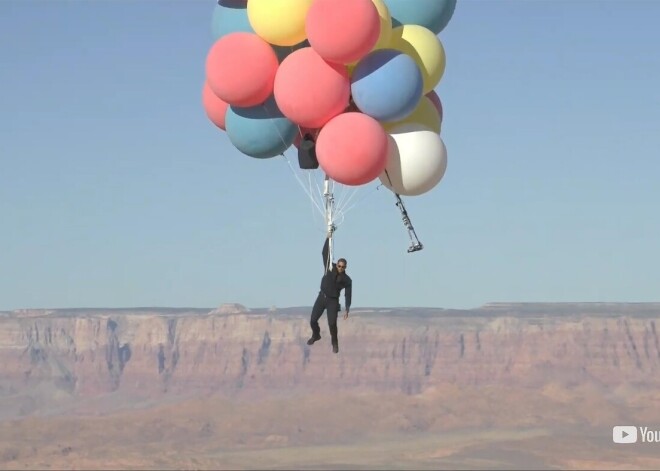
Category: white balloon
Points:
column 416, row 160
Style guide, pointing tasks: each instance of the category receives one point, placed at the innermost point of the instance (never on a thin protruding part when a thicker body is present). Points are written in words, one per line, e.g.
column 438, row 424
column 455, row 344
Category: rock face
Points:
column 88, row 352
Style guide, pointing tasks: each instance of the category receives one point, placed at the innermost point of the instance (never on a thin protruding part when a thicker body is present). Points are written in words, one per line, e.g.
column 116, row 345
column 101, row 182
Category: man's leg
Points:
column 317, row 312
column 333, row 312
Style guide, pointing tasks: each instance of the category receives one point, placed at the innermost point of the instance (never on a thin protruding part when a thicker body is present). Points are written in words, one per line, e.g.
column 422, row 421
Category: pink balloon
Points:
column 240, row 69
column 342, row 31
column 435, row 99
column 352, row 149
column 215, row 108
column 309, row 90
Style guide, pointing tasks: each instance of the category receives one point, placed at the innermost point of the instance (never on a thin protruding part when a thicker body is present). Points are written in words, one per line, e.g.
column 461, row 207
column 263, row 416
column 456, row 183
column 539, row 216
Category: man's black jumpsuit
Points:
column 331, row 285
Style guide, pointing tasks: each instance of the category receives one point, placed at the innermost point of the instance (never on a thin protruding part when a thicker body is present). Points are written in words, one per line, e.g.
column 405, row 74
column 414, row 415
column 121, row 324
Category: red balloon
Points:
column 215, row 108
column 435, row 99
column 240, row 69
column 309, row 90
column 342, row 31
column 352, row 149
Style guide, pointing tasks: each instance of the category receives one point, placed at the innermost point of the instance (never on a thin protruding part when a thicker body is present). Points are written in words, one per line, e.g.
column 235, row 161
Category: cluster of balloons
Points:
column 359, row 75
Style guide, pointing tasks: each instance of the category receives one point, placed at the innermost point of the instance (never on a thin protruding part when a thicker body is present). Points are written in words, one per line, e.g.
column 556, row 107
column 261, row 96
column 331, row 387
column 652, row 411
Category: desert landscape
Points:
column 503, row 386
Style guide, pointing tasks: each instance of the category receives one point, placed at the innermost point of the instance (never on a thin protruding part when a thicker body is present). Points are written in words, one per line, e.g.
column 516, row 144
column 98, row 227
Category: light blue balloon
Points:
column 387, row 85
column 230, row 16
column 432, row 14
column 260, row 131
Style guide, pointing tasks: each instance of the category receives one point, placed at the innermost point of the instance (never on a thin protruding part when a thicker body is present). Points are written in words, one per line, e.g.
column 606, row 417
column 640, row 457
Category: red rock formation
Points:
column 144, row 352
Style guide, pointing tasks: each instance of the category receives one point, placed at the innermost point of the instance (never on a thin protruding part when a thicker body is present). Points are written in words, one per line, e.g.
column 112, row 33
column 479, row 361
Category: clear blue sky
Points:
column 116, row 190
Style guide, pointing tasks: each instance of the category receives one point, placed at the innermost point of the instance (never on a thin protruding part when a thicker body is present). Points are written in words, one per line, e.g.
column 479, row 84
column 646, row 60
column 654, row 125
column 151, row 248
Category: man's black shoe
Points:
column 335, row 348
column 313, row 339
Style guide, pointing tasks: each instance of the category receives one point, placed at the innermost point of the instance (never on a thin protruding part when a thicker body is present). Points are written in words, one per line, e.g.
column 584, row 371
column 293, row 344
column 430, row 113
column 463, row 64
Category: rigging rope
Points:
column 334, row 212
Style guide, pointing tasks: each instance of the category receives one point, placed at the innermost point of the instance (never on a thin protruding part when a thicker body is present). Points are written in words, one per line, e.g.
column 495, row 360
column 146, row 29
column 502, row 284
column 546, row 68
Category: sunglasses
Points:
column 341, row 266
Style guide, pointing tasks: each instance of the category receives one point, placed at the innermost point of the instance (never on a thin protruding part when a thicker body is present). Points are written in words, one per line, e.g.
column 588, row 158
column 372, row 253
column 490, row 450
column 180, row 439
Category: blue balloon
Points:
column 432, row 14
column 260, row 131
column 387, row 85
column 230, row 16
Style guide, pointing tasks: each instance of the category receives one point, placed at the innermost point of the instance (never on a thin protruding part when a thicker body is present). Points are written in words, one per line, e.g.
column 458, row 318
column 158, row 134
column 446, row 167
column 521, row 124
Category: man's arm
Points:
column 348, row 294
column 326, row 252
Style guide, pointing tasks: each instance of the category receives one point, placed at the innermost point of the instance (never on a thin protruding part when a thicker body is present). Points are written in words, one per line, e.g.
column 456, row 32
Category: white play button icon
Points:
column 624, row 434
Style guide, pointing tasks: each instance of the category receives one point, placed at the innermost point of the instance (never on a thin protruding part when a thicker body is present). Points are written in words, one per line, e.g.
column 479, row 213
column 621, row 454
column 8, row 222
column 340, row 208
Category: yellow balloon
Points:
column 425, row 47
column 385, row 25
column 425, row 114
column 279, row 22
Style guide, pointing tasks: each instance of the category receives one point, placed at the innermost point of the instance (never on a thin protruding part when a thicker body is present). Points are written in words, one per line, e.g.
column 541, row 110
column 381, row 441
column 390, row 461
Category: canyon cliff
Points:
column 147, row 351
column 503, row 386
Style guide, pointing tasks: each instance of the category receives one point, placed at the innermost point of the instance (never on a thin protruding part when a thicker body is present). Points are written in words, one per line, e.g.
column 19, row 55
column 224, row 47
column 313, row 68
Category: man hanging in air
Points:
column 334, row 280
